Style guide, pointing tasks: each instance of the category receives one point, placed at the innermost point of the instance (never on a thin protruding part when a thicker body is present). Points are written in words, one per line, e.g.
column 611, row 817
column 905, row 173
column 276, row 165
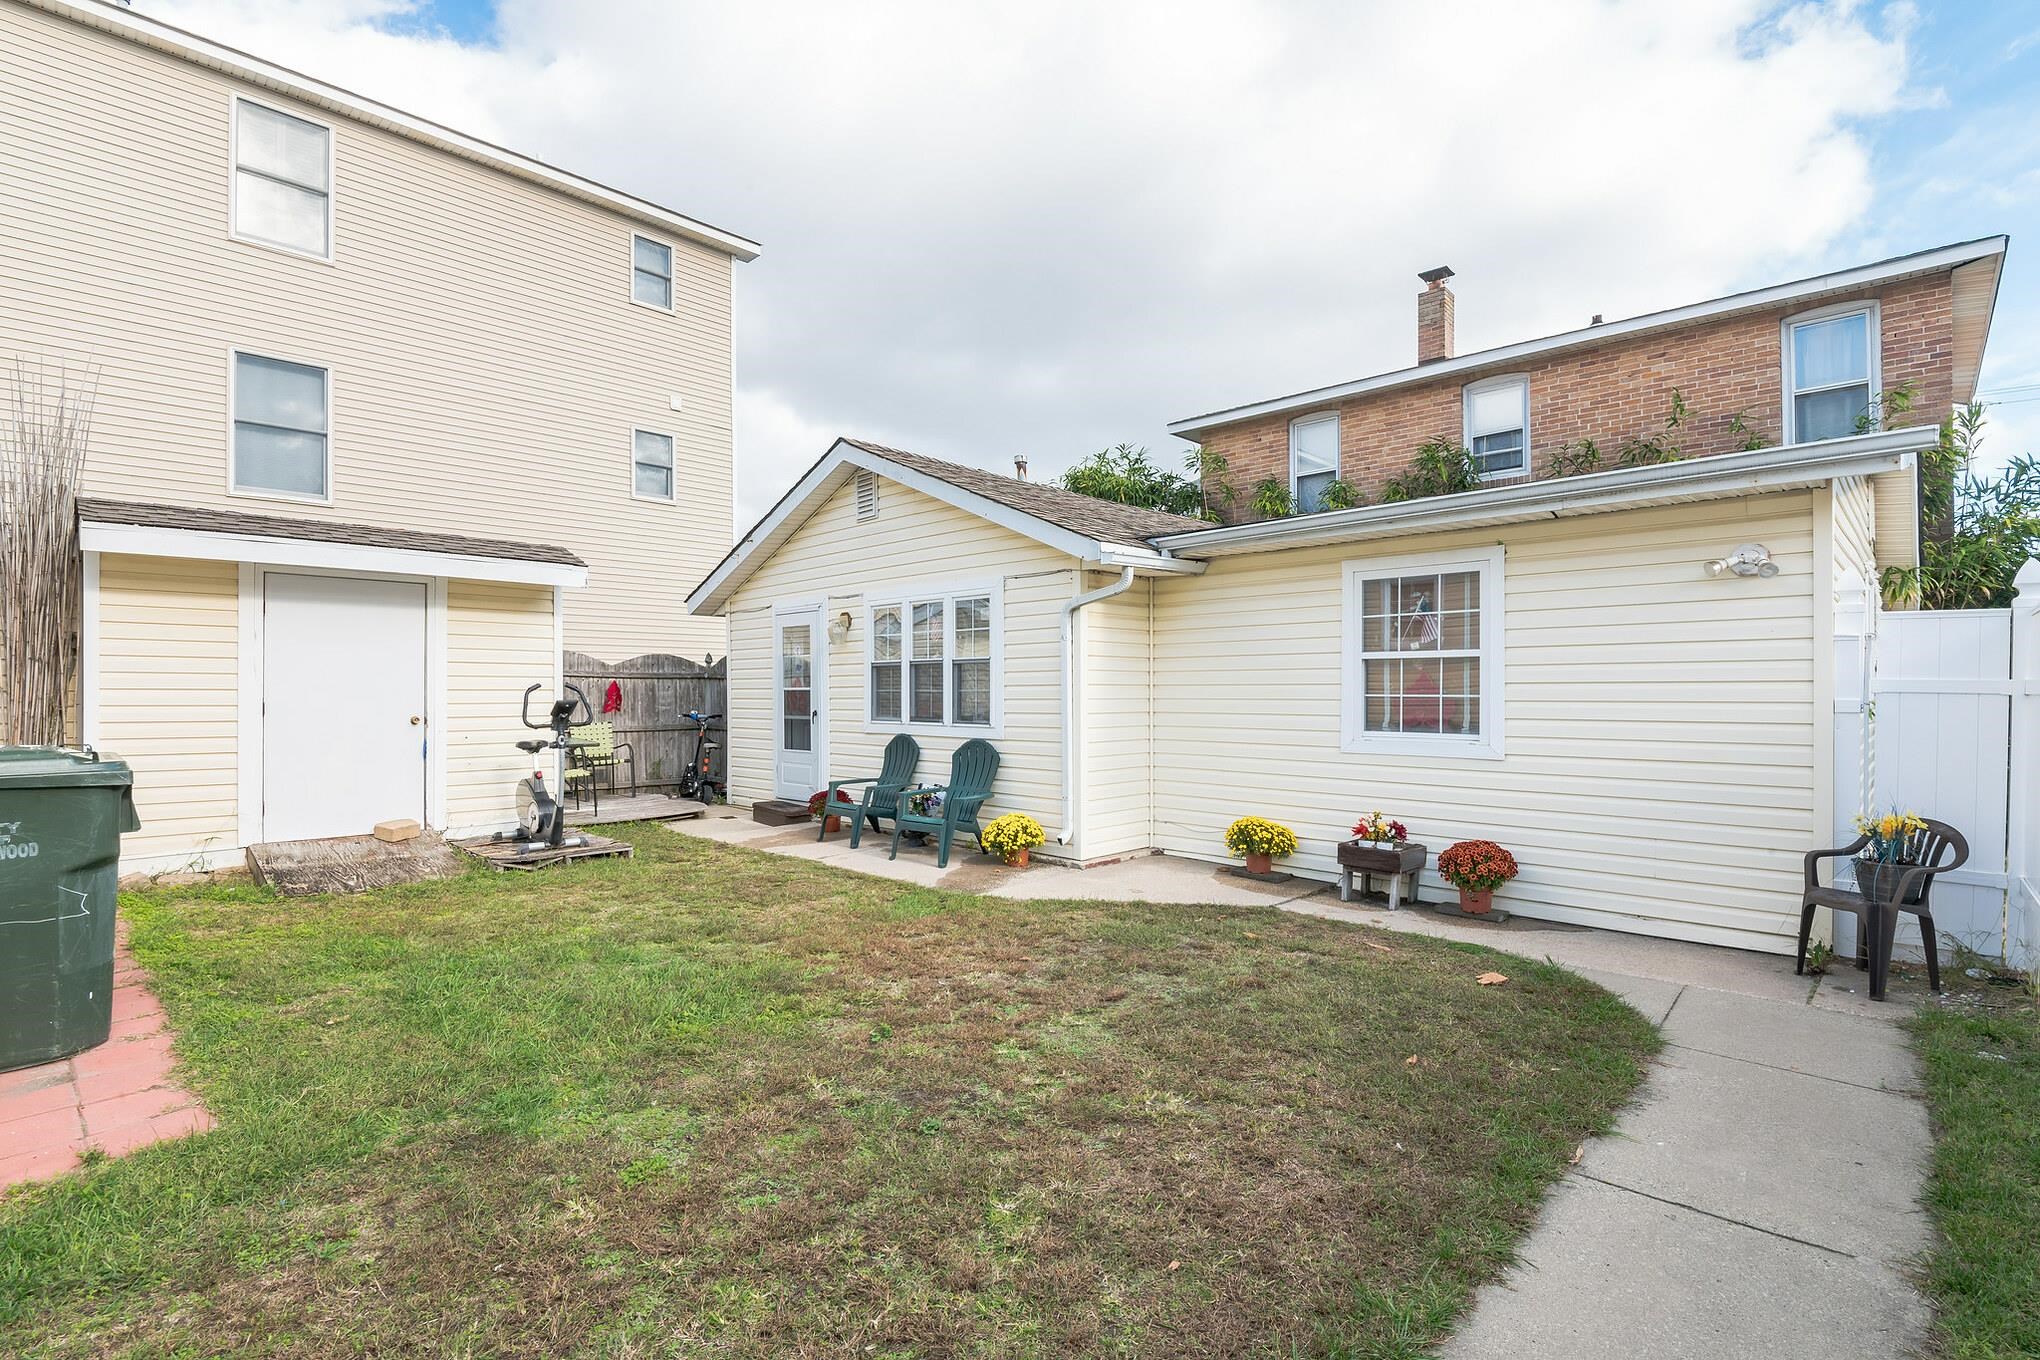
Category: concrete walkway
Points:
column 1761, row 1197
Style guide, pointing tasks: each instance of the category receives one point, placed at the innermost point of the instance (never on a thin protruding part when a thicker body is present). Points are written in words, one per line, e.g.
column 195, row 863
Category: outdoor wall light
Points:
column 839, row 627
column 1749, row 559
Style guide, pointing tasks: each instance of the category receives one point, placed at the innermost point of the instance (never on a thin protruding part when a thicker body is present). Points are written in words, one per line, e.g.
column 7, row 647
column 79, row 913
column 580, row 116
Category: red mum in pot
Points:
column 1476, row 868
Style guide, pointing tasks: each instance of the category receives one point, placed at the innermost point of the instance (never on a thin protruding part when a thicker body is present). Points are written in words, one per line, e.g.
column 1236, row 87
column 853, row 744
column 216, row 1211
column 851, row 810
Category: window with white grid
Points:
column 933, row 659
column 1423, row 655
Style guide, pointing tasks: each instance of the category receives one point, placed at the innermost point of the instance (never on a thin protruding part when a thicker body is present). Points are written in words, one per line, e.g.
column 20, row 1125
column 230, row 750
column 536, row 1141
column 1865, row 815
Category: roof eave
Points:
column 1844, row 280
column 1708, row 478
column 793, row 508
column 102, row 535
column 202, row 51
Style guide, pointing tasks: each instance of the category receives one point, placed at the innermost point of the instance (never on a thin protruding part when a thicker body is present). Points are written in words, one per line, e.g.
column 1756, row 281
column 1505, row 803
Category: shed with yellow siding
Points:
column 1650, row 728
column 187, row 675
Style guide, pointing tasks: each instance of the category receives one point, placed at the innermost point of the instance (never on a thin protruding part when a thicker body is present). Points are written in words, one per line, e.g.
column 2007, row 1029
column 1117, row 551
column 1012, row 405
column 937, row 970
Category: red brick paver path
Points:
column 116, row 1097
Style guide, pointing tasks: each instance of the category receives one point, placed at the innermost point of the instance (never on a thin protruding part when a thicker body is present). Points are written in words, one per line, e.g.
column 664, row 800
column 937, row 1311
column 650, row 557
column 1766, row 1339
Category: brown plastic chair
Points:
column 1910, row 891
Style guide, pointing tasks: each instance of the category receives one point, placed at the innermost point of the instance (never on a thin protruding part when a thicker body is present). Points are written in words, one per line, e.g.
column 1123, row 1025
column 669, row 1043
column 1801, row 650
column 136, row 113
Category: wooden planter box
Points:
column 1398, row 862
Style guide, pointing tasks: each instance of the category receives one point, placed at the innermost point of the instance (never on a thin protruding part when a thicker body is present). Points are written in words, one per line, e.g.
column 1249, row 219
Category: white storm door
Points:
column 343, row 704
column 799, row 740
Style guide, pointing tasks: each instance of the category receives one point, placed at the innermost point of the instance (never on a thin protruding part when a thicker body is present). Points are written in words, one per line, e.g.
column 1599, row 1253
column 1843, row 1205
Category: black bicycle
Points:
column 698, row 780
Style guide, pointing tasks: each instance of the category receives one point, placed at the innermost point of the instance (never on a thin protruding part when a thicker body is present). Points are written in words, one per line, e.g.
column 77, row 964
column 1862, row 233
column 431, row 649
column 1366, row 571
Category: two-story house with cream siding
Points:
column 386, row 417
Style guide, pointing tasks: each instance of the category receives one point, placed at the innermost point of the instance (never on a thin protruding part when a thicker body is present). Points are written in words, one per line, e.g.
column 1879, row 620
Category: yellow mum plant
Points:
column 1259, row 836
column 1011, row 834
column 1889, row 832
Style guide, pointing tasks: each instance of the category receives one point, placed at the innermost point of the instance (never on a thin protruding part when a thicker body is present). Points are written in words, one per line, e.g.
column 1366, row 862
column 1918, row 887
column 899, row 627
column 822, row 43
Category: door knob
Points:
column 415, row 720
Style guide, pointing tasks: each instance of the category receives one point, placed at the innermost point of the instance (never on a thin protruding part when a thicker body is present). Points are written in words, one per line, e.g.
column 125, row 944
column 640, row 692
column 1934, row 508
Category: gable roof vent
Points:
column 867, row 496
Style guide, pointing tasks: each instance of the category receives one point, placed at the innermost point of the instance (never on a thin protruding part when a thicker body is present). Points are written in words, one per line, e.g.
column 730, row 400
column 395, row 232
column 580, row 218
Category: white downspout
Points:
column 1069, row 685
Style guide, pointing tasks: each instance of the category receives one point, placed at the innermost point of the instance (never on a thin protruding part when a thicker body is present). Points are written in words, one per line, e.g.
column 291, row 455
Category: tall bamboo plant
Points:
column 45, row 425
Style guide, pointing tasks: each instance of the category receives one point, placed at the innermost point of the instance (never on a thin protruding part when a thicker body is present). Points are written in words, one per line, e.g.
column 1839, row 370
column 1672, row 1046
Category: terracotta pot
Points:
column 831, row 825
column 1476, row 901
column 1018, row 858
column 1258, row 863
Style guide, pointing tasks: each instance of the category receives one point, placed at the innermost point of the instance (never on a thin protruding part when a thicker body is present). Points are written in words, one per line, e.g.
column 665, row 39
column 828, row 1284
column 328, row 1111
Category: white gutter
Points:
column 1069, row 707
column 1845, row 280
column 1713, row 475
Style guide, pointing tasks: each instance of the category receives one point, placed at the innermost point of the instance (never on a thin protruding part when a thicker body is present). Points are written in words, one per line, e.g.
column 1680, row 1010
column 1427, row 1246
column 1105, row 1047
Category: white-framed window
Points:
column 1423, row 654
column 1313, row 459
column 1831, row 371
column 932, row 658
column 651, row 273
column 283, row 180
column 651, row 465
column 1497, row 414
column 281, row 441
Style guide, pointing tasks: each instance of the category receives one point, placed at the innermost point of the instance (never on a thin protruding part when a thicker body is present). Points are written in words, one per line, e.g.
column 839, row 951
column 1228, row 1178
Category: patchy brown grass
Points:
column 710, row 1102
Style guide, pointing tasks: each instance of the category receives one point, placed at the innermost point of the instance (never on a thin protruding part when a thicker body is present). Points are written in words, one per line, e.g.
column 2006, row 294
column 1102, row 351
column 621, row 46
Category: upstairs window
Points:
column 651, row 470
column 1313, row 460
column 1498, row 426
column 283, row 170
column 933, row 661
column 1830, row 373
column 651, row 273
column 280, row 428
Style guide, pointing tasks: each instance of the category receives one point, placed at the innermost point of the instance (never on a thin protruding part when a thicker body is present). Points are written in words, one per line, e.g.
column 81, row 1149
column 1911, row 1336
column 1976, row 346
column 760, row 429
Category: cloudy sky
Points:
column 1050, row 227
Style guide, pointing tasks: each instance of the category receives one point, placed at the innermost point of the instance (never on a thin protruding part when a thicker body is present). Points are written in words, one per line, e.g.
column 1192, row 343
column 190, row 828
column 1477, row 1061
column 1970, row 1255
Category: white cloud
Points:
column 1056, row 226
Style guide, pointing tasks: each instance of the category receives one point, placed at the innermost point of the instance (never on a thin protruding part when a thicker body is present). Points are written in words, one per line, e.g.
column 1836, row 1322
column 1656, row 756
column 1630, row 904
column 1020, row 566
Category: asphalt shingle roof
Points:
column 1106, row 521
column 317, row 531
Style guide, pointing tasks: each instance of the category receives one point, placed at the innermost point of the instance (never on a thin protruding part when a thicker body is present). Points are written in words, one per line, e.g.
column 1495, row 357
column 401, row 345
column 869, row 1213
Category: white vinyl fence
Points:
column 1940, row 714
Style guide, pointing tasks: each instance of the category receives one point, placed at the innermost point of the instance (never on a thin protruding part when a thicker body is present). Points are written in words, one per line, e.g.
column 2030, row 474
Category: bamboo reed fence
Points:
column 45, row 425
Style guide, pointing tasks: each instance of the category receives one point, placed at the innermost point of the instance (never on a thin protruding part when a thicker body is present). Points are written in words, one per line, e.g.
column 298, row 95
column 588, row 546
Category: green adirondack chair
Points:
column 971, row 771
column 881, row 797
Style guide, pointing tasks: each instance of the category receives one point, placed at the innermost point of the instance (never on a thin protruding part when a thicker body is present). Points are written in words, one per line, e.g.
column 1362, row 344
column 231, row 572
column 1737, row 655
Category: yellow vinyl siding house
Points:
column 386, row 418
column 1655, row 742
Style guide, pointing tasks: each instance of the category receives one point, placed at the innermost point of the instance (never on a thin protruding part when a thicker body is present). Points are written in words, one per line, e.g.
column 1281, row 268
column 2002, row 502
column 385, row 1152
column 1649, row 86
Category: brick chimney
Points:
column 1434, row 316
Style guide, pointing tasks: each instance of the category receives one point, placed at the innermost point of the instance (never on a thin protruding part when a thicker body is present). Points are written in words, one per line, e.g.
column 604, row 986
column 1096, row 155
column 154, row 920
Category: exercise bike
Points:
column 695, row 781
column 541, row 821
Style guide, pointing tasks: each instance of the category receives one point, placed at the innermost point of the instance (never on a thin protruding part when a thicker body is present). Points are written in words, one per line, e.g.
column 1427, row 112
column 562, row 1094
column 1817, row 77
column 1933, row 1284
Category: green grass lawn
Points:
column 1983, row 1085
column 715, row 1102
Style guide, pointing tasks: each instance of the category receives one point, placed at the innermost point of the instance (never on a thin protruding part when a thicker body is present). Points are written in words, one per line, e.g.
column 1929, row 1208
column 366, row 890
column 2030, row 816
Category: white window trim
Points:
column 1353, row 733
column 257, row 493
column 1314, row 418
column 1473, row 389
column 904, row 598
column 674, row 483
column 1873, row 343
column 672, row 275
column 234, row 103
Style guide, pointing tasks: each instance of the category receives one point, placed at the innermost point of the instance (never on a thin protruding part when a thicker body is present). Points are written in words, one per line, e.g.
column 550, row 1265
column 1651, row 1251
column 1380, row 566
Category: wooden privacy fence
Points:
column 655, row 690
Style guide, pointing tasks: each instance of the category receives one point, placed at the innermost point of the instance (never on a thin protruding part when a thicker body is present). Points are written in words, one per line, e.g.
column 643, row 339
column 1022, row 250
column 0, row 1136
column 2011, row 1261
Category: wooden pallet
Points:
column 350, row 864
column 505, row 854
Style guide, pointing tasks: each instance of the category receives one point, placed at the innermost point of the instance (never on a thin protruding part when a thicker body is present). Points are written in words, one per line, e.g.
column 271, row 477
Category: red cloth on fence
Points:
column 612, row 698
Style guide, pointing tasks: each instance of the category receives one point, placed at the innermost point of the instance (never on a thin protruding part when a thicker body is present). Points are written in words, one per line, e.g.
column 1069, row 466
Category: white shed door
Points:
column 799, row 739
column 343, row 704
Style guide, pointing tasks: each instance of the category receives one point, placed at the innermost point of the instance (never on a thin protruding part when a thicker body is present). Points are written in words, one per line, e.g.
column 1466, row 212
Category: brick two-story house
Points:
column 386, row 417
column 1629, row 677
column 1793, row 363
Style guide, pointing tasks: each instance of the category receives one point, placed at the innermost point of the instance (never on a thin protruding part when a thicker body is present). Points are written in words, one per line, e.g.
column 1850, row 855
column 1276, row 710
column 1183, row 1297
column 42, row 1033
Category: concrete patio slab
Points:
column 1610, row 1275
column 1820, row 1161
column 1797, row 1038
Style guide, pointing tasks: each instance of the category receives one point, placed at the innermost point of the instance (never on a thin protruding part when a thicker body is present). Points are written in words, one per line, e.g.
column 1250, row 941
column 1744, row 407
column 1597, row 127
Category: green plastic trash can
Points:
column 62, row 813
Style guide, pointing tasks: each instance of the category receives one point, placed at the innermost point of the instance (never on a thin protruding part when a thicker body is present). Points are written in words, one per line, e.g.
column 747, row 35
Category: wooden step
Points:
column 779, row 812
